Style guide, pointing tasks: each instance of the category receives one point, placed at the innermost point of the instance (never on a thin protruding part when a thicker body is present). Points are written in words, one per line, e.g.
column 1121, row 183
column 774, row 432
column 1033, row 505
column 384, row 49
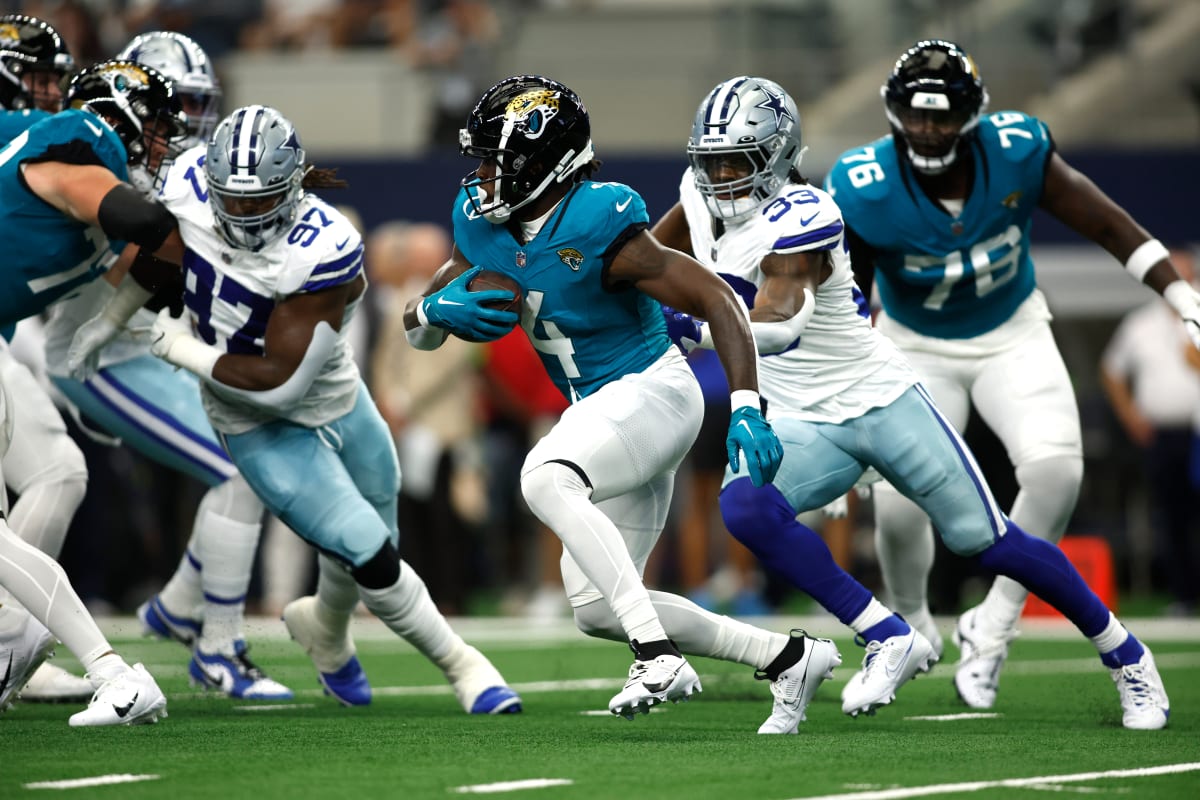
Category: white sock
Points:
column 1112, row 637
column 406, row 608
column 875, row 613
column 702, row 633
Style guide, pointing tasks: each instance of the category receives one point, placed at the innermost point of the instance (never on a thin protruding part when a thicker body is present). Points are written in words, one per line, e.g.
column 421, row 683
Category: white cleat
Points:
column 20, row 656
column 666, row 677
column 887, row 666
column 981, row 655
column 130, row 698
column 52, row 684
column 1143, row 696
column 797, row 684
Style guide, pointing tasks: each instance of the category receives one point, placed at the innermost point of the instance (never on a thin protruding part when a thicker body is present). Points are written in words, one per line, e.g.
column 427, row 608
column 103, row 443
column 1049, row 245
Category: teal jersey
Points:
column 48, row 254
column 586, row 334
column 13, row 123
column 946, row 276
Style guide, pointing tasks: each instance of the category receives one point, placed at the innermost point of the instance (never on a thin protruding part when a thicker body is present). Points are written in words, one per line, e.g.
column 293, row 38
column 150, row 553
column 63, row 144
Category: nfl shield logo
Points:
column 520, row 258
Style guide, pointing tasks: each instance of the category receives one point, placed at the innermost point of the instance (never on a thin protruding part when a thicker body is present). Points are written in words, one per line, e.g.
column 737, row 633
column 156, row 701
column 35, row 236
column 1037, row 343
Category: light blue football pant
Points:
column 155, row 409
column 336, row 486
column 913, row 446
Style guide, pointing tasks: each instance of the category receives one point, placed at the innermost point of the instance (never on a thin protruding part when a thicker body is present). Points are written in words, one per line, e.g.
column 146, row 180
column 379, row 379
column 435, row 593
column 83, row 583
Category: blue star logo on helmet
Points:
column 774, row 103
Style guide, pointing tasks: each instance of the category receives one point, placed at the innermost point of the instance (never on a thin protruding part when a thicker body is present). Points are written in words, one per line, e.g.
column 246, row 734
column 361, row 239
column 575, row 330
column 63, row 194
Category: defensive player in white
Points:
column 601, row 479
column 273, row 274
column 43, row 465
column 155, row 409
column 843, row 397
column 939, row 213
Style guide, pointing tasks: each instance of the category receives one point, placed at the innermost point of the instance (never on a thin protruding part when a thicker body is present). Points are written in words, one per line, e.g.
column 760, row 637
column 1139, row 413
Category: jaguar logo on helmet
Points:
column 531, row 112
column 126, row 75
column 571, row 257
column 9, row 35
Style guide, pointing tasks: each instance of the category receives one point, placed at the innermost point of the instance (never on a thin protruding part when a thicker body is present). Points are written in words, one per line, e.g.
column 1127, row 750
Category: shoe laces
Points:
column 637, row 671
column 1136, row 687
column 874, row 648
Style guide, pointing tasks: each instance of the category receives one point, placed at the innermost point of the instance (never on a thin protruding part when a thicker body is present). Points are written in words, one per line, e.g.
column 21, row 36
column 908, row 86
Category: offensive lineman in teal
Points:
column 592, row 280
column 67, row 213
column 940, row 212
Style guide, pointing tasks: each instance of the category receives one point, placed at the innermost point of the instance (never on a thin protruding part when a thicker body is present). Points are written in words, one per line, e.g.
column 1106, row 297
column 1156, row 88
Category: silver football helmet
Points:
column 185, row 63
column 254, row 166
column 745, row 143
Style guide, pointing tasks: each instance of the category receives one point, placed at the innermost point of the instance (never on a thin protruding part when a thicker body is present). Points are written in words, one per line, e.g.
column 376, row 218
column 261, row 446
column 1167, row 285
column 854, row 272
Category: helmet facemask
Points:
column 530, row 133
column 745, row 144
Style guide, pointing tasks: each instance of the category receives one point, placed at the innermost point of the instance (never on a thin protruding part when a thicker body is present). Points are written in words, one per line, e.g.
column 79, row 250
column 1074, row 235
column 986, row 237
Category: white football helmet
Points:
column 185, row 63
column 254, row 167
column 749, row 128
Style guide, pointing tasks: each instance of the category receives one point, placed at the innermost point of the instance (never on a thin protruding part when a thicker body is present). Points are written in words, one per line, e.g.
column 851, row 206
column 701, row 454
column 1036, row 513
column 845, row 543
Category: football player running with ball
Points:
column 842, row 396
column 939, row 211
column 601, row 479
column 273, row 275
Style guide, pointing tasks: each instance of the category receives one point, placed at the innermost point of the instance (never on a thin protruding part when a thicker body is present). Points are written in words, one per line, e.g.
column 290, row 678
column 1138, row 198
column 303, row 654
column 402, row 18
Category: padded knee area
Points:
column 545, row 486
column 381, row 570
column 1049, row 490
column 234, row 499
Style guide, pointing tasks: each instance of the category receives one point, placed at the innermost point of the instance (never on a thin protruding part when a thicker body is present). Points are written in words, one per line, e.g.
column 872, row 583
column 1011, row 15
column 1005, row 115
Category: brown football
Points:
column 490, row 280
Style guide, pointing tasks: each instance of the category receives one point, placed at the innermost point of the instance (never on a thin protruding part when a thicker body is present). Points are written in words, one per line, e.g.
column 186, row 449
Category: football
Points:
column 490, row 280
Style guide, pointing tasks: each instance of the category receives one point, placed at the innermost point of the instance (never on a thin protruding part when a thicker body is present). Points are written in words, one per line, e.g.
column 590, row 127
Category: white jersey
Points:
column 230, row 294
column 840, row 367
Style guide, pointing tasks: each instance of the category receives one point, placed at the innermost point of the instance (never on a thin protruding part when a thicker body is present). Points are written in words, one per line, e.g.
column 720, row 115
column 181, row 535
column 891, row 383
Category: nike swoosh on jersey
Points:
column 343, row 243
column 441, row 301
column 95, row 128
column 622, row 206
column 810, row 219
column 123, row 711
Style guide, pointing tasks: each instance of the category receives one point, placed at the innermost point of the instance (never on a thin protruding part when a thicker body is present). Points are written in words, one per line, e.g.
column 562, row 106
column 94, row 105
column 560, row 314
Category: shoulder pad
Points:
column 863, row 174
column 1014, row 136
column 324, row 249
column 802, row 218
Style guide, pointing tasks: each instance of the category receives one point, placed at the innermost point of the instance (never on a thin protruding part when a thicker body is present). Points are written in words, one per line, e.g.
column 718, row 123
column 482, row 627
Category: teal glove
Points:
column 465, row 313
column 750, row 432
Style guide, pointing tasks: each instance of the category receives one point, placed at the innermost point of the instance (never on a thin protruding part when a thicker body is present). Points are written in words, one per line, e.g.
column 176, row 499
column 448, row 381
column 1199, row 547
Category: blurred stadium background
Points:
column 378, row 87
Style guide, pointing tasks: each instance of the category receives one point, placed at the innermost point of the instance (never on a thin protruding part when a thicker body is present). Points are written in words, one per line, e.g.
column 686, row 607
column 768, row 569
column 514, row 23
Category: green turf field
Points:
column 1056, row 724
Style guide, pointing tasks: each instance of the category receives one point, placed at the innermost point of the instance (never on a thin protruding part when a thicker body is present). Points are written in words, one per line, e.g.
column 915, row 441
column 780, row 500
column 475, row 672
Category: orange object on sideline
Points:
column 1092, row 556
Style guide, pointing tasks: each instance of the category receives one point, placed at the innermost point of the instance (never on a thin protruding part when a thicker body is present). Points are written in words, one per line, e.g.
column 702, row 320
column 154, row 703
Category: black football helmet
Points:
column 29, row 45
column 934, row 99
column 537, row 132
column 138, row 103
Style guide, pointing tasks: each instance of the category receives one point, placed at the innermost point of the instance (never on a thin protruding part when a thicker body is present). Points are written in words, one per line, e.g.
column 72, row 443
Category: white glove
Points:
column 166, row 331
column 838, row 509
column 83, row 357
column 1184, row 298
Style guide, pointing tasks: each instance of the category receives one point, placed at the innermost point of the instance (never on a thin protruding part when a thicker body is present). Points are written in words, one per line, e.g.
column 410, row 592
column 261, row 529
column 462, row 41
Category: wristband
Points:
column 422, row 317
column 739, row 398
column 1147, row 254
column 193, row 355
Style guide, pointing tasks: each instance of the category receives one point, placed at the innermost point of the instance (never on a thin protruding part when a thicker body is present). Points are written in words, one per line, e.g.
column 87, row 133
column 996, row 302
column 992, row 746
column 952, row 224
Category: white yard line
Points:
column 511, row 786
column 1015, row 783
column 83, row 783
